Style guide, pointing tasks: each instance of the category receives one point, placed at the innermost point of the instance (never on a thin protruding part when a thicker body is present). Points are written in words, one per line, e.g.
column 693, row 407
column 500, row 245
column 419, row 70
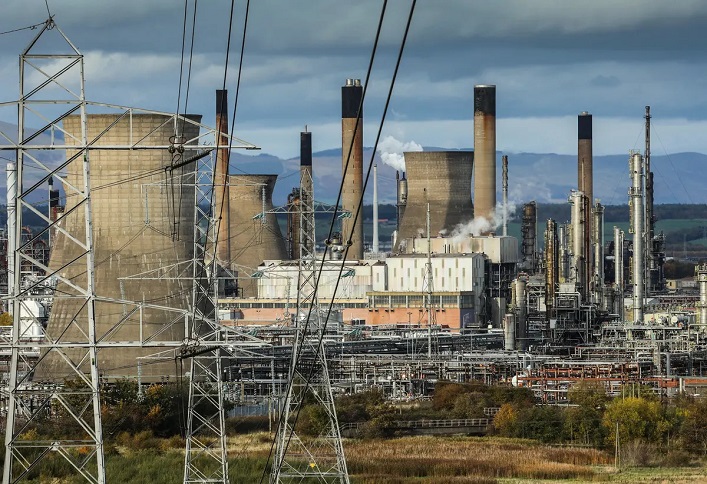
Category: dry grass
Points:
column 453, row 460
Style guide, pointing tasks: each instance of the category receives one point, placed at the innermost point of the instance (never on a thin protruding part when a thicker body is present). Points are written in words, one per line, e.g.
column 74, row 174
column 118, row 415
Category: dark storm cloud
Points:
column 549, row 58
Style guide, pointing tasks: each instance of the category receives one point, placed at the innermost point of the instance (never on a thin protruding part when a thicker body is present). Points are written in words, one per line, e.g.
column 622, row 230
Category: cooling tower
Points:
column 142, row 221
column 442, row 178
column 253, row 240
column 351, row 109
column 484, row 151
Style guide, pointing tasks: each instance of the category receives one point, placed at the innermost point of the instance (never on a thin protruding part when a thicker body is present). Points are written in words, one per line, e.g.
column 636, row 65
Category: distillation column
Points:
column 637, row 214
column 577, row 264
column 598, row 253
column 619, row 271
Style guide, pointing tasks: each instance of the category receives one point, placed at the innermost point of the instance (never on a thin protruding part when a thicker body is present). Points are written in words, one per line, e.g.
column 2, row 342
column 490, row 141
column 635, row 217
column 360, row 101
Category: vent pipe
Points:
column 402, row 198
column 598, row 237
column 619, row 270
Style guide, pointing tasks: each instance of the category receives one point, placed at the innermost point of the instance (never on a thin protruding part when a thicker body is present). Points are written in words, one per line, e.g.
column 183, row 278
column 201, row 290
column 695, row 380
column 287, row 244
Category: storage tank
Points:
column 442, row 178
column 142, row 221
column 253, row 239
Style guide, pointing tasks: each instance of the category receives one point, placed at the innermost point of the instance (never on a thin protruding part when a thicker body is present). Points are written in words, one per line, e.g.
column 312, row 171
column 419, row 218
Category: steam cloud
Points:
column 391, row 151
column 479, row 225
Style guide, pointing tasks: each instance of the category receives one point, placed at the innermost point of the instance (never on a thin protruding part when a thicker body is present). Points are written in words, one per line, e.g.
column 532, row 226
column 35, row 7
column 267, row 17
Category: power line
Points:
column 29, row 27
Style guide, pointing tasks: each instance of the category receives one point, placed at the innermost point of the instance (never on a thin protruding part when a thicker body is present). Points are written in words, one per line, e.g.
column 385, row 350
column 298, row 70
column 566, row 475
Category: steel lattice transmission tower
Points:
column 205, row 458
column 43, row 77
column 300, row 459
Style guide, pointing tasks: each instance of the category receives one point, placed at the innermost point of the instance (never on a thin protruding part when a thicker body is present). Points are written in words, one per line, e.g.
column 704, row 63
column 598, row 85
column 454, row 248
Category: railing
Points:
column 430, row 424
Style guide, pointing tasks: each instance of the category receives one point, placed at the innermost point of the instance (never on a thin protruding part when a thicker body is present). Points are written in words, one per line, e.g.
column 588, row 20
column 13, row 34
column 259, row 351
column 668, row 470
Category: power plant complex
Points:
column 143, row 263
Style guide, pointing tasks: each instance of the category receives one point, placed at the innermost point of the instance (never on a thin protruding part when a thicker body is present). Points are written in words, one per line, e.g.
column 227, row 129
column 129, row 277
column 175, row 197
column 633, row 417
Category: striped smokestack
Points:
column 585, row 184
column 351, row 111
column 484, row 151
column 222, row 208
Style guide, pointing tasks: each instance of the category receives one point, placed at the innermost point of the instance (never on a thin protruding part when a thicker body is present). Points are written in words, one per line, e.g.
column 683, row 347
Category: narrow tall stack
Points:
column 352, row 155
column 484, row 151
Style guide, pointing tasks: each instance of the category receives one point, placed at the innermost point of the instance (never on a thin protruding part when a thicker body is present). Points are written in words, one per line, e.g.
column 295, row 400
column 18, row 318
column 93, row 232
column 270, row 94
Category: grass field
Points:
column 417, row 460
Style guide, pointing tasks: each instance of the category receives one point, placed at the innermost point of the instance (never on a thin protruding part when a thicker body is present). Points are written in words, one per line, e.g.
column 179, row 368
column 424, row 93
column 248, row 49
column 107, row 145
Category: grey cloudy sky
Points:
column 550, row 60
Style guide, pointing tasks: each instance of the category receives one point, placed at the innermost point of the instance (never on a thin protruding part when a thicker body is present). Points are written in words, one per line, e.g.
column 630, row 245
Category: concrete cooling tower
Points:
column 442, row 178
column 252, row 240
column 142, row 221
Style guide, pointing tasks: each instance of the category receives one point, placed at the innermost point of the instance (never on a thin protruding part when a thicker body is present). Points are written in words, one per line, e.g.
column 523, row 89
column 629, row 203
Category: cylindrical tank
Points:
column 579, row 249
column 509, row 332
column 402, row 198
column 636, row 203
column 254, row 240
column 485, row 151
column 619, row 271
column 351, row 110
column 442, row 178
column 140, row 224
column 551, row 265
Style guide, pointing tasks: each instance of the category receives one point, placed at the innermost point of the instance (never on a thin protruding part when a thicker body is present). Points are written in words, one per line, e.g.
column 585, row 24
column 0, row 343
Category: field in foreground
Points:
column 420, row 460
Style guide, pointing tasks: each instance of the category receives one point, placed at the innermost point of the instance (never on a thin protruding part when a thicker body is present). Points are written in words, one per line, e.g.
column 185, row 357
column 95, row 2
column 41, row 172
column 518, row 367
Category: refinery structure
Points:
column 154, row 252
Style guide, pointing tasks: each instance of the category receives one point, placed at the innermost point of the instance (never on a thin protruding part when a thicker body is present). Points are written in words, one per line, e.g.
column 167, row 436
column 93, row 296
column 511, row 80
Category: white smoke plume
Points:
column 391, row 151
column 479, row 225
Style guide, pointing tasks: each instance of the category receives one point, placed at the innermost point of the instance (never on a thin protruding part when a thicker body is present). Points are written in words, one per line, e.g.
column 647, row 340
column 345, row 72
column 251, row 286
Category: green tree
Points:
column 506, row 420
column 583, row 422
column 693, row 431
column 637, row 418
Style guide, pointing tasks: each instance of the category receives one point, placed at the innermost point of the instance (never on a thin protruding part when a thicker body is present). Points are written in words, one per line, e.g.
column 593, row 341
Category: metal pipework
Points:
column 564, row 262
column 619, row 271
column 551, row 265
column 484, row 151
column 529, row 234
column 577, row 270
column 352, row 153
column 598, row 238
column 637, row 228
column 520, row 298
column 504, row 181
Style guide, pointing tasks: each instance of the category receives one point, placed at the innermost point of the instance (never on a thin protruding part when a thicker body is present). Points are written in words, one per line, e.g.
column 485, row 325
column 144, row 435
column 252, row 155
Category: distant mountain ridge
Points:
column 544, row 177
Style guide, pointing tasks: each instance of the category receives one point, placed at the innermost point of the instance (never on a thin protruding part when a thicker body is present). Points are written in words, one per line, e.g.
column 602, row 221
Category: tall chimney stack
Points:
column 352, row 152
column 306, row 175
column 585, row 183
column 222, row 206
column 484, row 151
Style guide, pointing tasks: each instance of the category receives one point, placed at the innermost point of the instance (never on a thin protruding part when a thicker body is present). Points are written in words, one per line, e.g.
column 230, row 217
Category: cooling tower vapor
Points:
column 482, row 225
column 391, row 151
